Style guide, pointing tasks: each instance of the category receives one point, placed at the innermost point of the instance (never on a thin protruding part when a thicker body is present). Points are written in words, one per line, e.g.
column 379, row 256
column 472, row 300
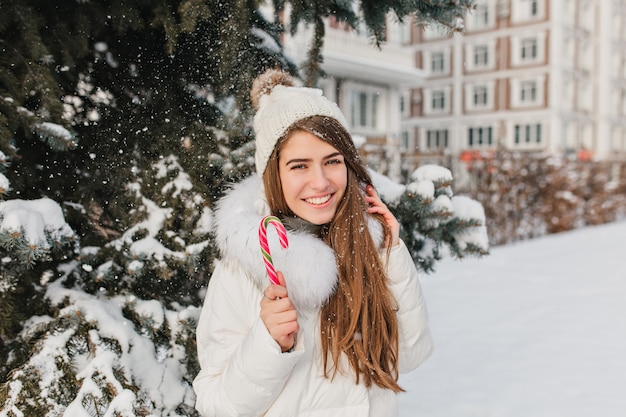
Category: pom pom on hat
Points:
column 279, row 105
column 265, row 83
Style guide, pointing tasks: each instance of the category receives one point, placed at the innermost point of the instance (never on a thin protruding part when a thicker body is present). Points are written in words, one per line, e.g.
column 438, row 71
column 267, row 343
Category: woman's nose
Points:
column 319, row 179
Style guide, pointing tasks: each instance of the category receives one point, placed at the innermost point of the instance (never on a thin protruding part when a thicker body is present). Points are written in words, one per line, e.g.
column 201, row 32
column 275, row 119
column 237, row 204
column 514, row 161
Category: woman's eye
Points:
column 334, row 161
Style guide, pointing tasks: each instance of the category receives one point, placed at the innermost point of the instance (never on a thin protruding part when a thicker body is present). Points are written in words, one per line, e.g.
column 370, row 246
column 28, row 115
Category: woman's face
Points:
column 313, row 175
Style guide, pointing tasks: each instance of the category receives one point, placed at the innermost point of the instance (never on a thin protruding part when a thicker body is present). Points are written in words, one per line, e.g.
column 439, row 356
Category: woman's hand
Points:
column 376, row 205
column 279, row 314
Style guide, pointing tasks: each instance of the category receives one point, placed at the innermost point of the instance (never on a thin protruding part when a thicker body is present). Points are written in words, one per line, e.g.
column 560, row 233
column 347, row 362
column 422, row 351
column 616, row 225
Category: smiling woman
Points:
column 347, row 315
column 313, row 176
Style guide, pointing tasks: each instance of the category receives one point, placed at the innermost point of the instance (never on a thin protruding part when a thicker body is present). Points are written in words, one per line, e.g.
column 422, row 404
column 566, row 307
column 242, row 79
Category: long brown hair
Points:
column 359, row 319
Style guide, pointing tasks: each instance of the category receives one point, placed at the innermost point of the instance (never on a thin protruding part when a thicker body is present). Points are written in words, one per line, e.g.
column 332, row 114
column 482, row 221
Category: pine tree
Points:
column 129, row 119
column 433, row 218
column 445, row 14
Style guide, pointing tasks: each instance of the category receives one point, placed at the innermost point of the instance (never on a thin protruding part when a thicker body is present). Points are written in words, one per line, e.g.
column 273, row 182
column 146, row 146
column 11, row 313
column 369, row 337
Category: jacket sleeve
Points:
column 415, row 340
column 242, row 368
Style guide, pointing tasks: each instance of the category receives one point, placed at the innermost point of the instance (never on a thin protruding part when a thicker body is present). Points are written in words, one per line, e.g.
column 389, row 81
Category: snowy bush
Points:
column 528, row 195
column 433, row 218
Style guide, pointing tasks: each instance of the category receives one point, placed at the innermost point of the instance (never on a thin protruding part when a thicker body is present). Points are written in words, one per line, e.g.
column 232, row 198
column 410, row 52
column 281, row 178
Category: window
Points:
column 405, row 104
column 481, row 56
column 436, row 139
column 363, row 113
column 438, row 100
column 404, row 140
column 524, row 10
column 480, row 96
column 481, row 16
column 437, row 63
column 480, row 136
column 528, row 91
column 364, row 108
column 399, row 33
column 529, row 49
column 527, row 134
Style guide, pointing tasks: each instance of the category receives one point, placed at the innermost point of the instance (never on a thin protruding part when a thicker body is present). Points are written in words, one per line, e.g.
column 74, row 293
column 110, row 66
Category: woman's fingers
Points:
column 281, row 321
column 377, row 206
column 279, row 314
column 274, row 291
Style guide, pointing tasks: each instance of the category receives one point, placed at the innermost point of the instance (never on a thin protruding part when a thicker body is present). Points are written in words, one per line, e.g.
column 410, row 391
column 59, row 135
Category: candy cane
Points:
column 265, row 247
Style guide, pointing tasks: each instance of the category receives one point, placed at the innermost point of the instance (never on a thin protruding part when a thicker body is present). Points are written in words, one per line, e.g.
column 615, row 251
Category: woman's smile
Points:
column 317, row 201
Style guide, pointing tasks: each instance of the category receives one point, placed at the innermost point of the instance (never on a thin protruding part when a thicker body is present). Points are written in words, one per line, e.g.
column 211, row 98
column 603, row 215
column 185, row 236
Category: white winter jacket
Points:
column 243, row 371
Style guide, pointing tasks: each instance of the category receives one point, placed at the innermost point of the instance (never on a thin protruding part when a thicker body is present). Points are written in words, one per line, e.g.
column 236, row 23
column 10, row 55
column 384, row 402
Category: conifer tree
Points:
column 121, row 124
column 433, row 218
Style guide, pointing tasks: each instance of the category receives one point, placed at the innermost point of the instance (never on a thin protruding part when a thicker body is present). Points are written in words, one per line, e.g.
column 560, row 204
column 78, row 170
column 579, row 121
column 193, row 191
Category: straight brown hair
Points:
column 359, row 319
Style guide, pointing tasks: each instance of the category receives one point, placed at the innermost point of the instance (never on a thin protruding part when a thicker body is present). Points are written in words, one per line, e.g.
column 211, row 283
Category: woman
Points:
column 349, row 313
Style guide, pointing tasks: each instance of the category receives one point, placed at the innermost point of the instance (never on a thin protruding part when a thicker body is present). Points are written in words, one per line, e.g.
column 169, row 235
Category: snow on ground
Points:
column 536, row 329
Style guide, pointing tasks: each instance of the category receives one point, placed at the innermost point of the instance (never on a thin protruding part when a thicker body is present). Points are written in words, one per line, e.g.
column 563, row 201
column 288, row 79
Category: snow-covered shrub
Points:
column 528, row 195
column 433, row 218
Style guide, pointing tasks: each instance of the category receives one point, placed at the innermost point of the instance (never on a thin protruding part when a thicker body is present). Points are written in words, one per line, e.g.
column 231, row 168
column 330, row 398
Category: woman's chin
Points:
column 317, row 218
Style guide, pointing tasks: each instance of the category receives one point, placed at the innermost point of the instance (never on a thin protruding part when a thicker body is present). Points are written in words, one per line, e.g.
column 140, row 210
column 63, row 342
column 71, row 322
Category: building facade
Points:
column 527, row 75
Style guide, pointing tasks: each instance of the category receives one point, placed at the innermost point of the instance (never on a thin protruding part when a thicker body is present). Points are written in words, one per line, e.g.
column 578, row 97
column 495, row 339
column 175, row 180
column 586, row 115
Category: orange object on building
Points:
column 585, row 155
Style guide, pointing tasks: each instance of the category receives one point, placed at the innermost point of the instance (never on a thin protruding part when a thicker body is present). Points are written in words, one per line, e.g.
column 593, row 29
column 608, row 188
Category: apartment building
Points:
column 527, row 75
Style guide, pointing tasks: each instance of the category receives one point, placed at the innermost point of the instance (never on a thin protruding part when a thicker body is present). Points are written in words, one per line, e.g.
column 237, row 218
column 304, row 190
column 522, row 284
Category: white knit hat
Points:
column 279, row 105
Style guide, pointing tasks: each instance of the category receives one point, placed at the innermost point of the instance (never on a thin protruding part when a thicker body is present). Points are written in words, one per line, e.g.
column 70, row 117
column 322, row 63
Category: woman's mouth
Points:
column 316, row 201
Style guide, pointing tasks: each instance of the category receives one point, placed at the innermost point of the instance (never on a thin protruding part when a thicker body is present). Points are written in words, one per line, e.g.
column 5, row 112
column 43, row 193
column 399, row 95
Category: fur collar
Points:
column 308, row 264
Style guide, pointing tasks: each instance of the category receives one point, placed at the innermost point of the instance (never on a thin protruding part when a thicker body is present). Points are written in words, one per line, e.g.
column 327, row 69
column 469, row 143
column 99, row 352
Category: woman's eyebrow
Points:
column 301, row 160
column 298, row 161
column 332, row 155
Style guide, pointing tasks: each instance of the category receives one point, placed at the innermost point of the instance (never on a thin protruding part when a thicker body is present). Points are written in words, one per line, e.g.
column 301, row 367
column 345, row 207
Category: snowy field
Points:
column 536, row 329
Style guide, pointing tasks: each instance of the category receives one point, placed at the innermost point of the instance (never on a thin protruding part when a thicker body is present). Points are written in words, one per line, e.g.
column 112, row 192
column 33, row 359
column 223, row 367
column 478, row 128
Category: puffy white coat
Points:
column 243, row 371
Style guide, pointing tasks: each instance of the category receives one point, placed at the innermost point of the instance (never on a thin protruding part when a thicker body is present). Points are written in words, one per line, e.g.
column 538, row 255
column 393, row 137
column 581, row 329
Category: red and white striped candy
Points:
column 265, row 247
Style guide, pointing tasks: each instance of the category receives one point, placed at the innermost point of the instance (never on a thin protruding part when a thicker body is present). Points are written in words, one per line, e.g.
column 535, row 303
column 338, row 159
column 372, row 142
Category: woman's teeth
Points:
column 318, row 200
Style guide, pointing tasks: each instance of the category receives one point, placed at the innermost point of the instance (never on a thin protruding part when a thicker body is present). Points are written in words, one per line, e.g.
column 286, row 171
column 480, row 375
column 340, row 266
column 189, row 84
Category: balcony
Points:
column 347, row 54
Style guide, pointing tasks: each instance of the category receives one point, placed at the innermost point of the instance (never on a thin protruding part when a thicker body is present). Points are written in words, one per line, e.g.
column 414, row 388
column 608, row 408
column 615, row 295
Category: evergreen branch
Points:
column 312, row 68
column 56, row 136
